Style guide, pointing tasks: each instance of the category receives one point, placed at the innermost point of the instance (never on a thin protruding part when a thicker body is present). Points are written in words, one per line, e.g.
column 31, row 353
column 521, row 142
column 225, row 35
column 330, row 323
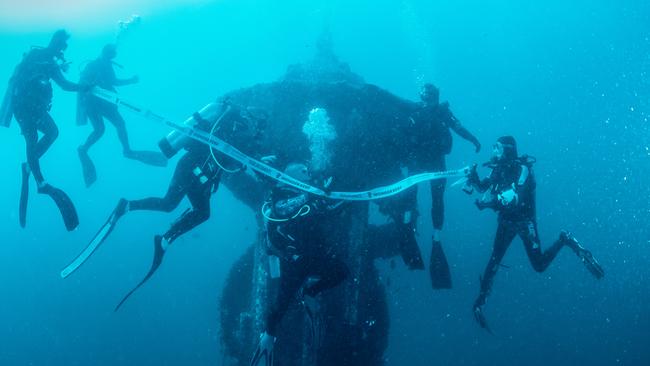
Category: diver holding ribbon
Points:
column 100, row 72
column 510, row 191
column 307, row 265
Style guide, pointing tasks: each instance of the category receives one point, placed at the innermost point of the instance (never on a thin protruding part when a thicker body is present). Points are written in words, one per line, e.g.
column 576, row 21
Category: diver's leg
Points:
column 438, row 266
column 31, row 124
column 154, row 158
column 405, row 217
column 199, row 196
column 292, row 278
column 504, row 236
column 175, row 193
column 31, row 141
column 438, row 195
column 168, row 203
column 87, row 166
column 114, row 116
column 538, row 259
column 97, row 123
column 50, row 133
column 505, row 233
column 331, row 273
column 438, row 203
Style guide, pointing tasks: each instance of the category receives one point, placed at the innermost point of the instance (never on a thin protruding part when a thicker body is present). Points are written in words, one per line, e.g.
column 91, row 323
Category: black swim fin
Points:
column 65, row 205
column 408, row 248
column 592, row 264
column 98, row 239
column 87, row 167
column 154, row 158
column 585, row 256
column 158, row 255
column 316, row 322
column 24, row 195
column 439, row 268
column 480, row 318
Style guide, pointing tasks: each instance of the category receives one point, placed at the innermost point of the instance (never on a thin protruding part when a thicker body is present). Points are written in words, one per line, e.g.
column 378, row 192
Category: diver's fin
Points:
column 264, row 351
column 82, row 111
column 265, row 356
column 585, row 256
column 439, row 268
column 592, row 264
column 87, row 167
column 65, row 205
column 97, row 240
column 408, row 248
column 316, row 323
column 480, row 319
column 6, row 109
column 24, row 195
column 154, row 158
column 158, row 254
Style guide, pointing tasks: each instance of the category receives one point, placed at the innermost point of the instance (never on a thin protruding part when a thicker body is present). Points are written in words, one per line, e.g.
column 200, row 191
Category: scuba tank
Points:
column 6, row 110
column 175, row 141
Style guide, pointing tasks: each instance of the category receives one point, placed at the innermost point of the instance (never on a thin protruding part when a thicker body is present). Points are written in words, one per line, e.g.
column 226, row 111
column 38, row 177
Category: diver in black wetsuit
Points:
column 510, row 190
column 31, row 103
column 430, row 140
column 196, row 177
column 100, row 72
column 296, row 237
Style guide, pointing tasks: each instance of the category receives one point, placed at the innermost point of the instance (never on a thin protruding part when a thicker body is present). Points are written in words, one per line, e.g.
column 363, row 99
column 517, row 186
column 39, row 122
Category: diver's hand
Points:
column 328, row 182
column 264, row 351
column 472, row 176
column 509, row 197
column 477, row 145
column 480, row 205
column 269, row 159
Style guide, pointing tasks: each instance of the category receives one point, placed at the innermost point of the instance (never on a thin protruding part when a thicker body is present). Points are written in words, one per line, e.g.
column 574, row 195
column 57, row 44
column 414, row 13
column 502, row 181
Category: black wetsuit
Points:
column 197, row 177
column 517, row 219
column 100, row 73
column 32, row 100
column 300, row 243
column 431, row 140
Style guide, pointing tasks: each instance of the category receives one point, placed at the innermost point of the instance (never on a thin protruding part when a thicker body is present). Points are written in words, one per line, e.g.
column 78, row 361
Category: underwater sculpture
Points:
column 361, row 138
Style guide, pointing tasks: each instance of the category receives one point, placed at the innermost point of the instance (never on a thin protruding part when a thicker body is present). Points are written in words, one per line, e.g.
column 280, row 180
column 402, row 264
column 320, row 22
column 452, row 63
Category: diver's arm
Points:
column 129, row 81
column 465, row 134
column 525, row 183
column 483, row 185
column 64, row 83
column 108, row 73
column 479, row 184
column 510, row 197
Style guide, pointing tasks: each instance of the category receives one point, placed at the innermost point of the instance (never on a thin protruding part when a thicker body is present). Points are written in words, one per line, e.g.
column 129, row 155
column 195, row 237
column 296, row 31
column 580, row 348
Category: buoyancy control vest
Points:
column 32, row 85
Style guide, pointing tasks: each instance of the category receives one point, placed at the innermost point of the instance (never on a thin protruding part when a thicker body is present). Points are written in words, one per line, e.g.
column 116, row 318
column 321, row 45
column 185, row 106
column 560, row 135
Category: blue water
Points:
column 569, row 80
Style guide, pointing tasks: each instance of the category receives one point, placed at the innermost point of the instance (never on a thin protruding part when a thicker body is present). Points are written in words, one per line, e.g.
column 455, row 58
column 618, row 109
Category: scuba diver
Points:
column 510, row 191
column 29, row 99
column 430, row 140
column 307, row 265
column 100, row 72
column 197, row 176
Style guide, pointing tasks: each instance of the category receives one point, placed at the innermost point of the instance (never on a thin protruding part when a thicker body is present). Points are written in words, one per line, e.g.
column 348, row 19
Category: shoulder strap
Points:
column 523, row 176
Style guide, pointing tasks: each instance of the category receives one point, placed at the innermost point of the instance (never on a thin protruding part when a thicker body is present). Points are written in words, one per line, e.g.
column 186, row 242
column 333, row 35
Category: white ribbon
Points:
column 258, row 166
